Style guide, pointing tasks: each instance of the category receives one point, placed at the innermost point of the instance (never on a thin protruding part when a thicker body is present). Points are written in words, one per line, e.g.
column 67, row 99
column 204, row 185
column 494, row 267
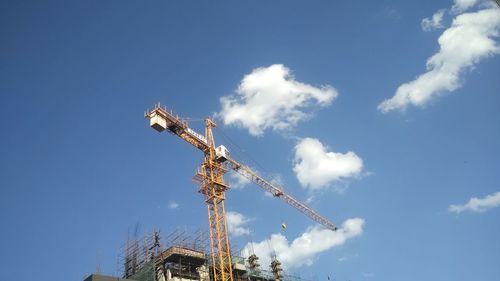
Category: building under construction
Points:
column 184, row 257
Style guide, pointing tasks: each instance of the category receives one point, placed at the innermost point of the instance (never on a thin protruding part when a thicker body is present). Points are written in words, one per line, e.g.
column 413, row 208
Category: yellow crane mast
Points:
column 210, row 177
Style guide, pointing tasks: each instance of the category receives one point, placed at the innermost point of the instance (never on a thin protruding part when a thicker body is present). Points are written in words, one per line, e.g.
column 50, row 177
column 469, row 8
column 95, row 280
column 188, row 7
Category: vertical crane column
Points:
column 212, row 186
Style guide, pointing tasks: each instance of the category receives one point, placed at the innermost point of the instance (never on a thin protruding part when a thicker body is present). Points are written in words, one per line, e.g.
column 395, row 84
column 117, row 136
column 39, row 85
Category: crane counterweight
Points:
column 157, row 122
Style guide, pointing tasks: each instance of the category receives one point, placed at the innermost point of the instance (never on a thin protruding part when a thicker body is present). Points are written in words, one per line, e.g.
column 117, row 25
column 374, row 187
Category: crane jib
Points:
column 279, row 193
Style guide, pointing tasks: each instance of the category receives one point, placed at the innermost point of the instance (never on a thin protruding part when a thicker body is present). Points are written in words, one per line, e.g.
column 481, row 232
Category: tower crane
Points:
column 209, row 175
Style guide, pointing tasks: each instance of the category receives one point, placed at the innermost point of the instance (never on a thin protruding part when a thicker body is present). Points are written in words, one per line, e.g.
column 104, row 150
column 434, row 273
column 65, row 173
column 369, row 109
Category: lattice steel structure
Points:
column 210, row 177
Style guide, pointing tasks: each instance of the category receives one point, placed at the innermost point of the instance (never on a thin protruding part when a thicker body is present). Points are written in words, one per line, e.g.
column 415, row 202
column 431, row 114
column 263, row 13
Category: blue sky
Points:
column 407, row 107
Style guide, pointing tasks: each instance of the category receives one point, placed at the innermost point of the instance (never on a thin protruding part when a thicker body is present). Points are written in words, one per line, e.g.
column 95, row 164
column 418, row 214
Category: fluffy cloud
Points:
column 316, row 168
column 237, row 181
column 172, row 205
column 434, row 22
column 346, row 258
column 236, row 224
column 304, row 249
column 477, row 204
column 469, row 39
column 461, row 5
column 271, row 98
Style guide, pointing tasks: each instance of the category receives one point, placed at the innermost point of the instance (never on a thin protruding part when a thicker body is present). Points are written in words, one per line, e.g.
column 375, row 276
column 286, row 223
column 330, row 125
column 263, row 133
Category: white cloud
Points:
column 236, row 224
column 343, row 259
column 461, row 5
column 271, row 98
column 277, row 180
column 477, row 204
column 316, row 168
column 304, row 249
column 435, row 22
column 346, row 258
column 237, row 181
column 469, row 39
column 172, row 205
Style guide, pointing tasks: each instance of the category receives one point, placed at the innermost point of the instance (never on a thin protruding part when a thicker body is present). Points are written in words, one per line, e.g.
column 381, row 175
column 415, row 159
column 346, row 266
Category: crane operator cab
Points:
column 221, row 153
